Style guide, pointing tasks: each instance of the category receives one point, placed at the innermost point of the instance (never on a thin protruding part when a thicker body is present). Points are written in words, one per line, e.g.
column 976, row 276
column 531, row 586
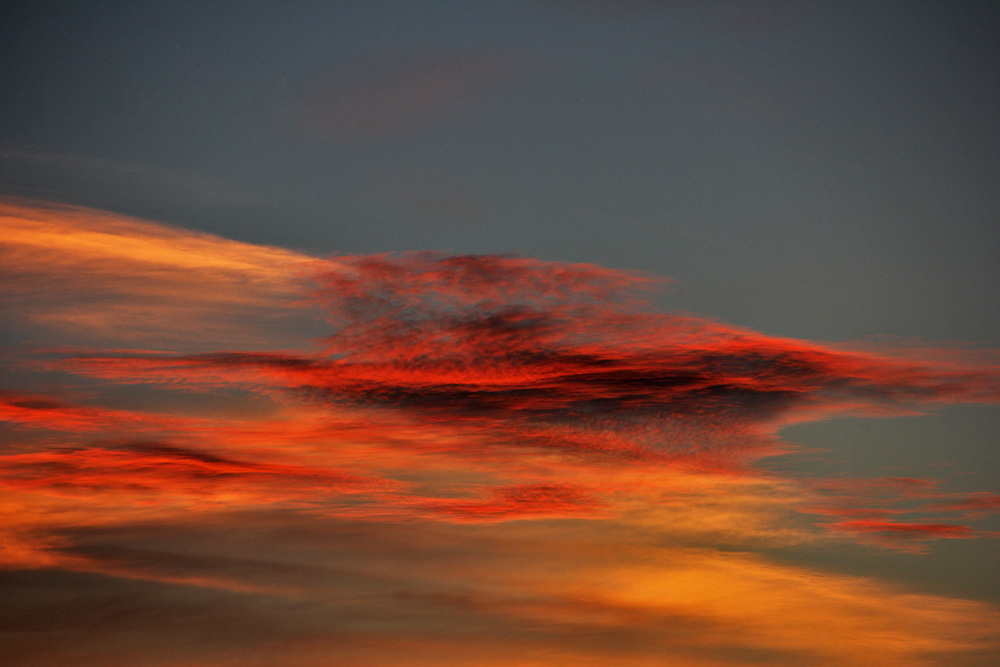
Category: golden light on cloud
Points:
column 71, row 269
column 481, row 451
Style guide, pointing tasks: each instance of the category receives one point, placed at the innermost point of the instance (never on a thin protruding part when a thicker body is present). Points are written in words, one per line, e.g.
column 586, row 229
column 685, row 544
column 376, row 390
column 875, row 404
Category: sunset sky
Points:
column 500, row 334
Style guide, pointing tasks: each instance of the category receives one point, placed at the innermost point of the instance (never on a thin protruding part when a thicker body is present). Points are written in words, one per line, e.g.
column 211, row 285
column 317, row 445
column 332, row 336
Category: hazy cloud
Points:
column 400, row 95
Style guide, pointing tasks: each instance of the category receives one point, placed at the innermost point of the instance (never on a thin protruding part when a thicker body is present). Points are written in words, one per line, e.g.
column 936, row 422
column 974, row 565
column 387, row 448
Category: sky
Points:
column 499, row 334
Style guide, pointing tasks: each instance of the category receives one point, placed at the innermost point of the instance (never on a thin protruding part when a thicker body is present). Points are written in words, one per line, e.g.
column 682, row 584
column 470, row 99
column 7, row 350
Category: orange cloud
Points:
column 523, row 501
column 484, row 451
column 70, row 271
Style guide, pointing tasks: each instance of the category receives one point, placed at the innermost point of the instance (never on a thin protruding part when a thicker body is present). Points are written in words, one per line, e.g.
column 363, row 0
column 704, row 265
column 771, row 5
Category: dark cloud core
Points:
column 516, row 344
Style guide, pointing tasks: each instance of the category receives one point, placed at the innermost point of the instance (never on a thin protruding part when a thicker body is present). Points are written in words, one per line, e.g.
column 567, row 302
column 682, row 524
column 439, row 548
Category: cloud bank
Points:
column 479, row 451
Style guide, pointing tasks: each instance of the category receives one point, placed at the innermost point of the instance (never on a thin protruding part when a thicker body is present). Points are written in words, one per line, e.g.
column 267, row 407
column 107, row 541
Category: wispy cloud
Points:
column 134, row 283
column 482, row 451
column 23, row 168
column 526, row 500
column 976, row 504
column 900, row 512
column 898, row 534
column 407, row 93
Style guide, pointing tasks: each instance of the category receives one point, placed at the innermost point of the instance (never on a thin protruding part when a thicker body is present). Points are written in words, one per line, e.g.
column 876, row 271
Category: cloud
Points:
column 899, row 512
column 559, row 353
column 152, row 471
column 419, row 593
column 46, row 492
column 904, row 536
column 496, row 357
column 906, row 529
column 399, row 96
column 125, row 282
column 514, row 364
column 976, row 504
column 523, row 501
column 486, row 459
column 35, row 411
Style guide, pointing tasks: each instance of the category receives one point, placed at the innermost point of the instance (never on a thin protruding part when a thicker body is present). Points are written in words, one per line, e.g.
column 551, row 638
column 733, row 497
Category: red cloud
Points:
column 514, row 359
column 906, row 530
column 156, row 471
column 914, row 529
column 975, row 504
column 504, row 341
column 895, row 509
column 528, row 501
column 43, row 412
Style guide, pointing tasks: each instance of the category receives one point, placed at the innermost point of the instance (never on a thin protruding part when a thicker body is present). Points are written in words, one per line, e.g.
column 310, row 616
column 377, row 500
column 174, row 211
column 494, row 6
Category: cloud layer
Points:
column 481, row 451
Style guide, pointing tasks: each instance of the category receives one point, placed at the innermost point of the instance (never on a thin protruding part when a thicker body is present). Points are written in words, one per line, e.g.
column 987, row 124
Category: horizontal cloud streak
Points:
column 129, row 282
column 524, row 501
column 33, row 411
column 172, row 471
